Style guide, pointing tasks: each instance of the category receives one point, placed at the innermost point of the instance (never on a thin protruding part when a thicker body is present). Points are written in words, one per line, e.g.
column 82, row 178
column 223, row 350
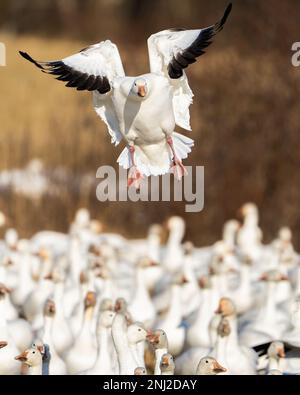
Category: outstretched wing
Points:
column 171, row 51
column 93, row 69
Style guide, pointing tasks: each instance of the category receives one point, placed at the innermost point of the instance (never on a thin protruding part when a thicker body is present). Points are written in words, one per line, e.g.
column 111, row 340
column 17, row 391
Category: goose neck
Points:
column 35, row 370
column 233, row 341
column 174, row 315
column 269, row 309
column 103, row 355
column 221, row 349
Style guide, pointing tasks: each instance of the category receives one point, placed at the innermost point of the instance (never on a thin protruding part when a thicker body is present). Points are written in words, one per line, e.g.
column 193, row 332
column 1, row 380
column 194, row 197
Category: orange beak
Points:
column 152, row 337
column 165, row 361
column 184, row 280
column 218, row 368
column 284, row 278
column 281, row 353
column 3, row 344
column 263, row 277
column 219, row 309
column 22, row 357
column 141, row 91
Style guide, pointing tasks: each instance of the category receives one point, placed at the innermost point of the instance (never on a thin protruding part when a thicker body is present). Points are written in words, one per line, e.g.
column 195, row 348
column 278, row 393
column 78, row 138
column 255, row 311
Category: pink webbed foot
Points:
column 178, row 169
column 134, row 177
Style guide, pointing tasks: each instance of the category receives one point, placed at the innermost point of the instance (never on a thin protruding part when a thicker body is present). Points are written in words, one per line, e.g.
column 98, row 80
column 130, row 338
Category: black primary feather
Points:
column 182, row 59
column 73, row 78
column 28, row 57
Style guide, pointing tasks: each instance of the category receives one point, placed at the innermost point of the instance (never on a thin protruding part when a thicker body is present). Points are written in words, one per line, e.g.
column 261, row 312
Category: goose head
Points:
column 56, row 275
column 230, row 230
column 188, row 248
column 31, row 357
column 39, row 345
column 49, row 308
column 248, row 210
column 140, row 88
column 136, row 333
column 94, row 250
column 96, row 226
column 4, row 290
column 3, row 344
column 106, row 304
column 155, row 230
column 273, row 276
column 140, row 371
column 82, row 218
column 2, row 219
column 205, row 282
column 44, row 254
column 167, row 364
column 276, row 350
column 90, row 300
column 246, row 260
column 285, row 234
column 106, row 319
column 120, row 306
column 176, row 227
column 158, row 339
column 226, row 307
column 179, row 279
column 11, row 238
column 145, row 262
column 209, row 366
column 224, row 328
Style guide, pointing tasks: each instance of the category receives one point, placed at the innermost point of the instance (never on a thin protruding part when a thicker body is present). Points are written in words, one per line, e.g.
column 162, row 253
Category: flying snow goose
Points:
column 141, row 110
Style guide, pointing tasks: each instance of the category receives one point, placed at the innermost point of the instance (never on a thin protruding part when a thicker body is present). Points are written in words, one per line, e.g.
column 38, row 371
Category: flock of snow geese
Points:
column 89, row 302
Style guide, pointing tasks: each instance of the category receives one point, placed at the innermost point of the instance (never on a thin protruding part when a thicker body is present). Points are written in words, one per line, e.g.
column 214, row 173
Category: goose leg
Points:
column 134, row 175
column 177, row 167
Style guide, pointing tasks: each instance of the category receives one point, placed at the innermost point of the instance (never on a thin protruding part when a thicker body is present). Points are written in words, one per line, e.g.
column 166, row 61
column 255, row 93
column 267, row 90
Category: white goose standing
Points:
column 143, row 110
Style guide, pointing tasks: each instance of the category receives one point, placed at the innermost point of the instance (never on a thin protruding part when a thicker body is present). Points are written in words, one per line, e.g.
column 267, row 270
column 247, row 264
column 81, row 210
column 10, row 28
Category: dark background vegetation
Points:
column 245, row 116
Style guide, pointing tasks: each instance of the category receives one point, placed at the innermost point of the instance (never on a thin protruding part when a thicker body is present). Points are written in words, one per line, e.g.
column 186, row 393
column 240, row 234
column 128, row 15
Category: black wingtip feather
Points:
column 30, row 59
column 225, row 16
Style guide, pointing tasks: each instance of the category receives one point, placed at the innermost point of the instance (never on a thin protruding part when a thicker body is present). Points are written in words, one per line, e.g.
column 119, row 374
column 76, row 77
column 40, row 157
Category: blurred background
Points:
column 245, row 116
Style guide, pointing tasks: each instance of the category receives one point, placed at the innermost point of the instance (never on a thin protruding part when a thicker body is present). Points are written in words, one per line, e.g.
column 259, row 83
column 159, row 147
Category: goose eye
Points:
column 206, row 361
column 33, row 352
column 139, row 329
